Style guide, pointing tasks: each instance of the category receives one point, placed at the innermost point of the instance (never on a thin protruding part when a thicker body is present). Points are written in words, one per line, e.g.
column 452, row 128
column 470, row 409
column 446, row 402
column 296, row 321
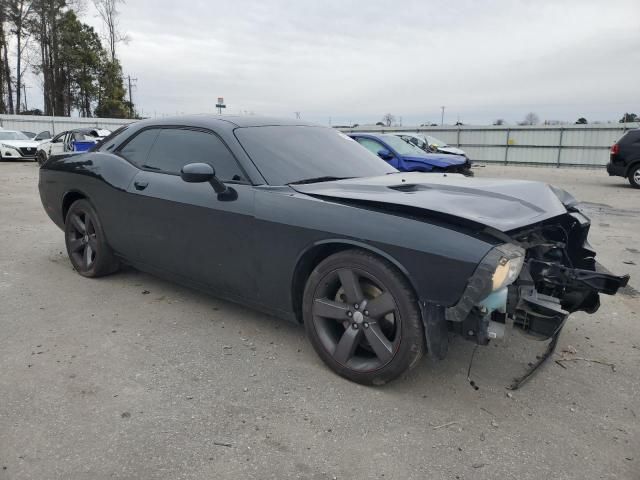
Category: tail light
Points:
column 615, row 149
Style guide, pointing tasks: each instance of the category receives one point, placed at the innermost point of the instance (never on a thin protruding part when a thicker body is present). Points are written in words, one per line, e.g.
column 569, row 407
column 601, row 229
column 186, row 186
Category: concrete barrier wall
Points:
column 56, row 125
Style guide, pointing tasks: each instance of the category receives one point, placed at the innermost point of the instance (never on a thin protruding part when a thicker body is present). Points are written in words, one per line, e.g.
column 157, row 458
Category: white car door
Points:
column 57, row 145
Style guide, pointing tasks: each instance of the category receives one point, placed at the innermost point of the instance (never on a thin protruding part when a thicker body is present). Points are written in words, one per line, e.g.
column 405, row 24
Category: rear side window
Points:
column 632, row 136
column 108, row 143
column 176, row 147
column 137, row 149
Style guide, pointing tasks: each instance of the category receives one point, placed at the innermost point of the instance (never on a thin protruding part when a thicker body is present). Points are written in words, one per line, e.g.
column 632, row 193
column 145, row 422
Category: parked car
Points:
column 430, row 144
column 15, row 145
column 624, row 158
column 301, row 222
column 77, row 140
column 406, row 157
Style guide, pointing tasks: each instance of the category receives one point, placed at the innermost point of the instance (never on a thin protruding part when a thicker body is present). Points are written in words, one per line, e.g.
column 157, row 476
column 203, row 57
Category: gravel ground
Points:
column 132, row 377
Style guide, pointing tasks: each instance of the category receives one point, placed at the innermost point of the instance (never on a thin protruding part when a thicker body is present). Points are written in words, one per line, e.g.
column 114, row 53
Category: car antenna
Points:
column 471, row 382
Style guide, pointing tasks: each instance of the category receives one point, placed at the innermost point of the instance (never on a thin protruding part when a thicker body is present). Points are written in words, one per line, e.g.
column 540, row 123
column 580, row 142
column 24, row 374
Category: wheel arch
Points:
column 68, row 199
column 633, row 164
column 317, row 252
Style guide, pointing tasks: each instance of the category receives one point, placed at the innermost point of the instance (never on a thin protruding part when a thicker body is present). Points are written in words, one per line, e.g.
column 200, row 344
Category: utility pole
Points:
column 442, row 116
column 129, row 79
column 24, row 89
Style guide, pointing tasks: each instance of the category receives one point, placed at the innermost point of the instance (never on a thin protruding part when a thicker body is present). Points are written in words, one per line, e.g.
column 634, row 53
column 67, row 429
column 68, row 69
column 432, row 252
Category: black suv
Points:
column 625, row 158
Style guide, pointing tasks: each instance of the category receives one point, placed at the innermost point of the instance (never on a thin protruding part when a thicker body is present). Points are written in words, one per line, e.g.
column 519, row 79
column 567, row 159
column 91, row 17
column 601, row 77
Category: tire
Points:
column 365, row 346
column 634, row 176
column 86, row 243
column 41, row 157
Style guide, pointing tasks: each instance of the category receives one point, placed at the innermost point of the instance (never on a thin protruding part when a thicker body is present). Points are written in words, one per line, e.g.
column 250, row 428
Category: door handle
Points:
column 140, row 185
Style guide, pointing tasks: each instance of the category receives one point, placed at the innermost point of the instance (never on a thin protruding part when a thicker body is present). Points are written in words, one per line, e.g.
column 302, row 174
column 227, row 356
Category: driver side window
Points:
column 371, row 145
column 175, row 147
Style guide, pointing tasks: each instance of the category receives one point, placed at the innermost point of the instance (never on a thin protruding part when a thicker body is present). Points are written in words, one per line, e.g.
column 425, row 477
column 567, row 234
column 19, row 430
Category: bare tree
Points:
column 108, row 12
column 499, row 121
column 4, row 63
column 530, row 119
column 388, row 119
column 3, row 60
column 18, row 15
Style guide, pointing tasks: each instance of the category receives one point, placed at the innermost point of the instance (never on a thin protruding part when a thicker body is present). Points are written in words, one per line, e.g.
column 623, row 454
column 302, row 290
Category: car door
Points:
column 56, row 145
column 186, row 229
column 43, row 136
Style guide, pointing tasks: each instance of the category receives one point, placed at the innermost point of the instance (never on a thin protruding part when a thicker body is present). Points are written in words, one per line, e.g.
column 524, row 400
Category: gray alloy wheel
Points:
column 87, row 248
column 362, row 317
column 634, row 176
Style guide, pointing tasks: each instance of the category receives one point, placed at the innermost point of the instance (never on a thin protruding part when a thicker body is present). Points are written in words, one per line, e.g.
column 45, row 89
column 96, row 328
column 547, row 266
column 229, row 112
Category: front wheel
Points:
column 362, row 317
column 634, row 176
column 86, row 243
column 41, row 157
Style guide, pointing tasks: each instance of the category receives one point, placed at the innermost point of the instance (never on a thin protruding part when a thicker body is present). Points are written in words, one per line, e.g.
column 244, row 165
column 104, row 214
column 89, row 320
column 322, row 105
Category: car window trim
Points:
column 118, row 149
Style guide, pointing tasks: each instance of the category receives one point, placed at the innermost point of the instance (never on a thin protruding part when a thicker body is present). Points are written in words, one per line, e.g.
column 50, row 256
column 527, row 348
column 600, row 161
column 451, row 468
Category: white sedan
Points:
column 16, row 145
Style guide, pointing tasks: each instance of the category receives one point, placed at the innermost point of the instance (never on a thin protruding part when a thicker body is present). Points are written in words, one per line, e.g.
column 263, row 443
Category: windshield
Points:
column 13, row 136
column 402, row 147
column 287, row 154
column 436, row 142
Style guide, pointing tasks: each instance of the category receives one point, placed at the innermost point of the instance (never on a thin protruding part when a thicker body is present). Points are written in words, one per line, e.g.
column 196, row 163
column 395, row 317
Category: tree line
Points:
column 77, row 73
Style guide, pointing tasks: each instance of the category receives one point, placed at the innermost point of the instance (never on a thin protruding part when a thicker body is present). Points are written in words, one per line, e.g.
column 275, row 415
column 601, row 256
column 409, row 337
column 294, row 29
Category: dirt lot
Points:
column 132, row 377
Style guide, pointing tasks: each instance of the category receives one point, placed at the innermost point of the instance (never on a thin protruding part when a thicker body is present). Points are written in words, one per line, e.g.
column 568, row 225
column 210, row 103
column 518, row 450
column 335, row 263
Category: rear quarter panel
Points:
column 102, row 178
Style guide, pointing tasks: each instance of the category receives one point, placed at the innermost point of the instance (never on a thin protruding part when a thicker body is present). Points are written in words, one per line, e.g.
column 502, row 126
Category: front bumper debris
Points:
column 559, row 277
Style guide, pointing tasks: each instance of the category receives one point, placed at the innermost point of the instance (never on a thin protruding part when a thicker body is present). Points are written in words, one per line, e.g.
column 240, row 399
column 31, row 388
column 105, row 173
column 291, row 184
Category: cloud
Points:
column 356, row 60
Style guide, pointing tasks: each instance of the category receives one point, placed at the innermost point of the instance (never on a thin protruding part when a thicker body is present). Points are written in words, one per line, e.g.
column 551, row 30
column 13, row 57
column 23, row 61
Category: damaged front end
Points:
column 557, row 275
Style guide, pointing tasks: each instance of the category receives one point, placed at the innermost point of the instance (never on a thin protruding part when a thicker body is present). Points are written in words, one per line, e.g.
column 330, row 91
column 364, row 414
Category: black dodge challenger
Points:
column 303, row 223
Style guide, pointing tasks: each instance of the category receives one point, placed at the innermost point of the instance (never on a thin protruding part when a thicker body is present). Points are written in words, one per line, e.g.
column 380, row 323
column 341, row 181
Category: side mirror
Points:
column 385, row 154
column 202, row 172
column 197, row 173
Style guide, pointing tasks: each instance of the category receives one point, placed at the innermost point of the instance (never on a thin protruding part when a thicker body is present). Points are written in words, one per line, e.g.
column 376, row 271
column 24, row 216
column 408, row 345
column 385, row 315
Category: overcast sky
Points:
column 354, row 61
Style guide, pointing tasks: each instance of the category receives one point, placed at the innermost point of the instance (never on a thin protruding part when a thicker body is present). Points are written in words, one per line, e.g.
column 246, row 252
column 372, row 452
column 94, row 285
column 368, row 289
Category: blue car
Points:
column 409, row 158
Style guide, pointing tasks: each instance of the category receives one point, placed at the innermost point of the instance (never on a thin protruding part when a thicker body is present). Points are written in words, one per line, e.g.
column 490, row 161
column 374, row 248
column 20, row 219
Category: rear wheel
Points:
column 86, row 244
column 362, row 317
column 634, row 176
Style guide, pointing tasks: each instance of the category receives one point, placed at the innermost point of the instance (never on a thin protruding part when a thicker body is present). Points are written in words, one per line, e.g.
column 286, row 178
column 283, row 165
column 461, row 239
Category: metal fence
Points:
column 54, row 125
column 566, row 145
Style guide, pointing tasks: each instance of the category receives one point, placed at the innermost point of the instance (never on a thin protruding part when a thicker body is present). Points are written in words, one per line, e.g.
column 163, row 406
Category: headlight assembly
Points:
column 4, row 145
column 506, row 272
column 508, row 266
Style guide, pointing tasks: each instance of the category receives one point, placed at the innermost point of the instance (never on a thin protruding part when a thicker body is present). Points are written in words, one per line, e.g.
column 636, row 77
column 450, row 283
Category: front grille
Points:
column 464, row 169
column 28, row 151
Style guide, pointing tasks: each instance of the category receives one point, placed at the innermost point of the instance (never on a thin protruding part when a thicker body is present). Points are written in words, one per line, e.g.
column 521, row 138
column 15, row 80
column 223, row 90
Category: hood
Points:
column 20, row 143
column 436, row 159
column 501, row 204
column 451, row 150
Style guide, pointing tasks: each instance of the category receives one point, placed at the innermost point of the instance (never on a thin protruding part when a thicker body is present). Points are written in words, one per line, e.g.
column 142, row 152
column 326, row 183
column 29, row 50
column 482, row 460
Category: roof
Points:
column 210, row 120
